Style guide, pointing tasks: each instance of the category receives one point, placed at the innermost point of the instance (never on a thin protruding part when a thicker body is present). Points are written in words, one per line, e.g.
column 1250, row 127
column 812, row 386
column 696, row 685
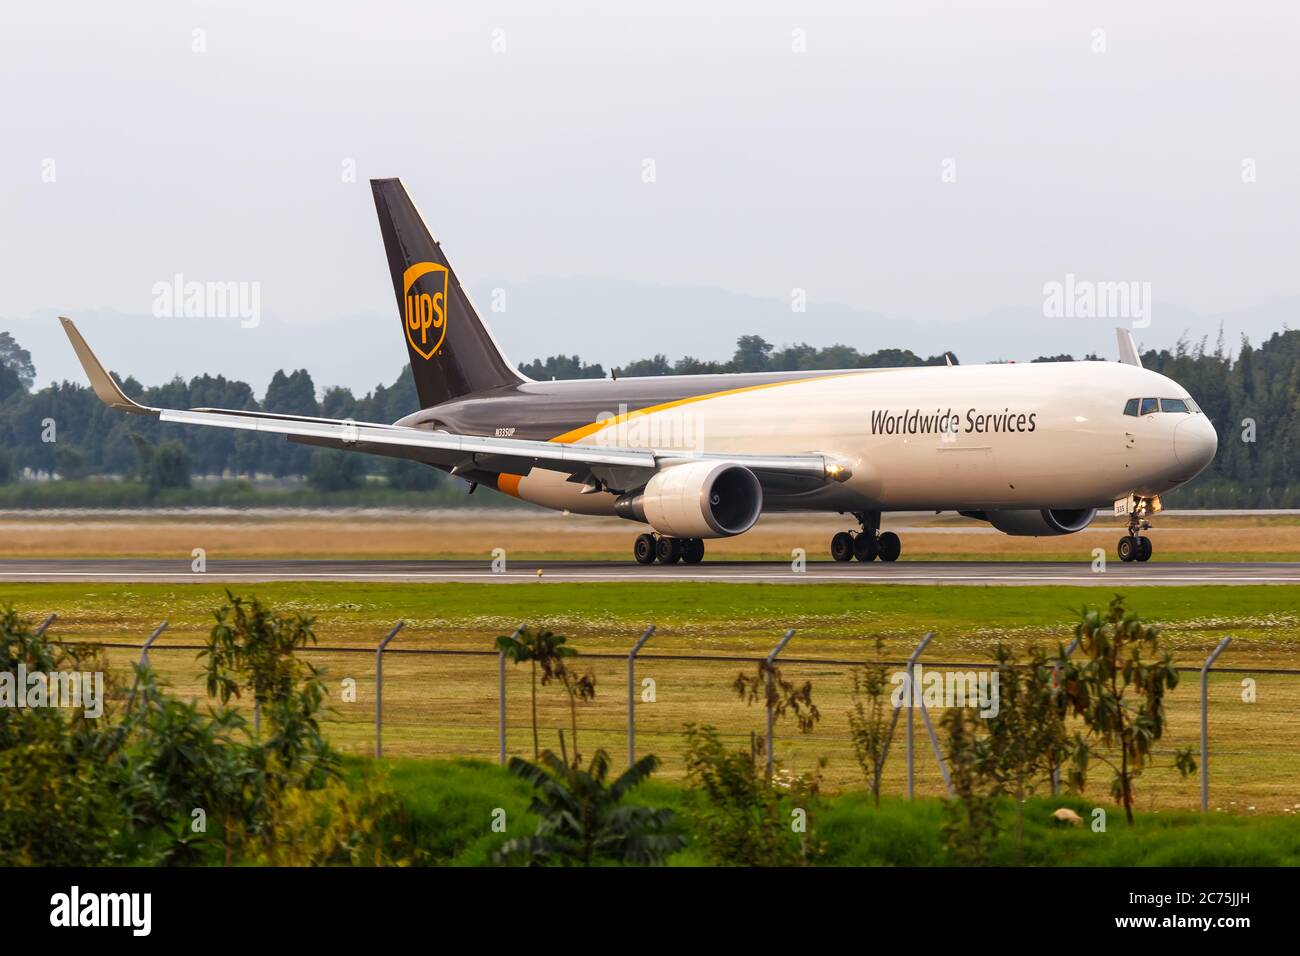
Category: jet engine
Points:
column 698, row 499
column 1048, row 521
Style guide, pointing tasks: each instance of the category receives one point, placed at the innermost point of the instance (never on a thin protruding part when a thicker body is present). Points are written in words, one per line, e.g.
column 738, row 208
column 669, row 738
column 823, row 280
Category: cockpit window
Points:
column 1150, row 406
column 1173, row 405
column 1131, row 407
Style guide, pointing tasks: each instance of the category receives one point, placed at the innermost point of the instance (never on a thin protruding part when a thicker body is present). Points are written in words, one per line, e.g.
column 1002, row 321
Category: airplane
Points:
column 1032, row 449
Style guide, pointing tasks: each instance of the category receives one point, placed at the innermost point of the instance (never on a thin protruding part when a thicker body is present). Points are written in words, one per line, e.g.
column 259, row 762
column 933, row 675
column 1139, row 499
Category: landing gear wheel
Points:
column 888, row 546
column 668, row 550
column 864, row 547
column 644, row 549
column 842, row 546
column 1135, row 547
column 693, row 551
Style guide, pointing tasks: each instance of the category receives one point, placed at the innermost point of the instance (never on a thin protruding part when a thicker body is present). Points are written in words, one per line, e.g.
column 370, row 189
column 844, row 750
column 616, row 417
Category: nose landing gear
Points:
column 649, row 548
column 867, row 544
column 1133, row 546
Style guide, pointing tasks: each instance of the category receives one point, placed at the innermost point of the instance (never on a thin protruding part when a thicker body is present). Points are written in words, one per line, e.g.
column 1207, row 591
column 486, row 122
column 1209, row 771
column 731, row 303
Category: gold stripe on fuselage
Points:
column 583, row 431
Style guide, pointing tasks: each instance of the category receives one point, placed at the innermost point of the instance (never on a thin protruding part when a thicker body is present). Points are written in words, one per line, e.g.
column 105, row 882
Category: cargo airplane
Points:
column 1032, row 449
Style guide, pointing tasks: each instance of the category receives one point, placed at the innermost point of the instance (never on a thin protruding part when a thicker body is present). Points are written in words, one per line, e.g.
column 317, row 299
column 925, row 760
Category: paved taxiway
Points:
column 903, row 572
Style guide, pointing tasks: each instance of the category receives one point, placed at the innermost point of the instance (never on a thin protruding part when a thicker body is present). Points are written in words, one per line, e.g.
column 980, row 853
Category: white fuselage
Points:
column 1040, row 435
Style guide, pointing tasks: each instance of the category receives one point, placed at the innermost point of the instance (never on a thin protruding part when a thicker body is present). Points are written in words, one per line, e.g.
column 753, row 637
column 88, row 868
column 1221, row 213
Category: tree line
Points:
column 62, row 429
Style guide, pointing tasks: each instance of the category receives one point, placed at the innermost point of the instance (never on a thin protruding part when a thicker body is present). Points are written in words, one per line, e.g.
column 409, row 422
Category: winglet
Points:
column 1128, row 353
column 108, row 390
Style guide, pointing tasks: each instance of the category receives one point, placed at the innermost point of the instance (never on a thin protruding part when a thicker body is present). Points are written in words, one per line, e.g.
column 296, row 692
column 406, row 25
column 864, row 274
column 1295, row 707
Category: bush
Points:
column 584, row 821
column 155, row 780
column 736, row 815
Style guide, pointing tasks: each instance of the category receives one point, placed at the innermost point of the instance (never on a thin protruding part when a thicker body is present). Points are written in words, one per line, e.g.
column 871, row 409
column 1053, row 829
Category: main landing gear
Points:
column 867, row 544
column 1133, row 546
column 650, row 548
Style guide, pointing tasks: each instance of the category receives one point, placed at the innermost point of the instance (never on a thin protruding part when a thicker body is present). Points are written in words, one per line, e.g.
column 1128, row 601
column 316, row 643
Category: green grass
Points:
column 702, row 616
column 450, row 806
column 652, row 601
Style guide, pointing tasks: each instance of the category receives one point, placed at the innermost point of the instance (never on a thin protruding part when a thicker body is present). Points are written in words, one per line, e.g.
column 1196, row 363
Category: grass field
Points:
column 529, row 534
column 446, row 705
column 449, row 806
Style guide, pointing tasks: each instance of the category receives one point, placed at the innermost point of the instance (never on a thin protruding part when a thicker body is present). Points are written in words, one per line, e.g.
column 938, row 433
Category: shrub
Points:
column 736, row 815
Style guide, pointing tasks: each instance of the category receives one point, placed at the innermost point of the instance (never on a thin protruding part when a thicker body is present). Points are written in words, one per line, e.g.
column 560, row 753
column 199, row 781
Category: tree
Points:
column 781, row 695
column 70, row 462
column 1120, row 695
column 411, row 475
column 338, row 402
column 561, row 367
column 168, row 466
column 752, row 352
column 292, row 394
column 334, row 470
column 736, row 813
column 1024, row 734
column 547, row 652
column 970, row 826
column 251, row 649
column 18, row 360
column 583, row 821
column 869, row 721
column 9, row 383
column 658, row 365
column 123, row 787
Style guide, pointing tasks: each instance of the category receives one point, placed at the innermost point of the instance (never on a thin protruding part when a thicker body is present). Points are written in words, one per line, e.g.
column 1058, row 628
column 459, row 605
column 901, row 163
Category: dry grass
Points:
column 446, row 706
column 531, row 534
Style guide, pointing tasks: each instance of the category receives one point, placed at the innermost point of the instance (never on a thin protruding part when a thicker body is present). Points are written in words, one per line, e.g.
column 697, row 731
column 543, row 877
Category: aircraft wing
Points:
column 621, row 469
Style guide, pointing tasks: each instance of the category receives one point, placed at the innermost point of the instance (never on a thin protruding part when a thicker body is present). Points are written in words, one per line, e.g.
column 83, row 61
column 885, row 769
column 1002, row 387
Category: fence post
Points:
column 771, row 717
column 938, row 751
column 148, row 642
column 379, row 688
column 40, row 631
column 144, row 657
column 1205, row 722
column 501, row 698
column 631, row 694
column 911, row 696
column 1056, row 679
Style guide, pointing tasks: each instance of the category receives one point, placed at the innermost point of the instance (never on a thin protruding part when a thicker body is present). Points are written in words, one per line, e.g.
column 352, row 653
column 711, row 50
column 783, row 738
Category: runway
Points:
column 956, row 573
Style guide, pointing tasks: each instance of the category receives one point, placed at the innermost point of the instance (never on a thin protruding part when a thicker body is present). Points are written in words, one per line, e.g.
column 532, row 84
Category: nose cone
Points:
column 1195, row 443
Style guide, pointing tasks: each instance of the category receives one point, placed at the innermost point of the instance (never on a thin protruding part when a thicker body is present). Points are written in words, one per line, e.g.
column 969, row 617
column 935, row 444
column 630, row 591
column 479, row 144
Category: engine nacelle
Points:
column 698, row 499
column 1048, row 521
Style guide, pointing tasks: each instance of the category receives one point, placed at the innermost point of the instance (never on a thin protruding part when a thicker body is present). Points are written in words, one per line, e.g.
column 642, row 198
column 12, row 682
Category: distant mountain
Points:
column 610, row 321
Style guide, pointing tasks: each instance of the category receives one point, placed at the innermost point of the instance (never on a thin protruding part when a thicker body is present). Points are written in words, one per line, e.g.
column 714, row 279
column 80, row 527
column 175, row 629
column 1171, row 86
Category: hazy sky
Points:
column 1110, row 142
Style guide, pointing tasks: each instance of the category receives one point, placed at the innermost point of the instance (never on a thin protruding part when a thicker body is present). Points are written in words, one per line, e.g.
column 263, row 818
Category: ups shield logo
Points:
column 424, row 292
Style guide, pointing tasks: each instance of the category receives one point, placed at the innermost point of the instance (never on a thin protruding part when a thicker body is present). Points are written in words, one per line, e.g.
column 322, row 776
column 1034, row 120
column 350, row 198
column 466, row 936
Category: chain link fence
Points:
column 454, row 703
